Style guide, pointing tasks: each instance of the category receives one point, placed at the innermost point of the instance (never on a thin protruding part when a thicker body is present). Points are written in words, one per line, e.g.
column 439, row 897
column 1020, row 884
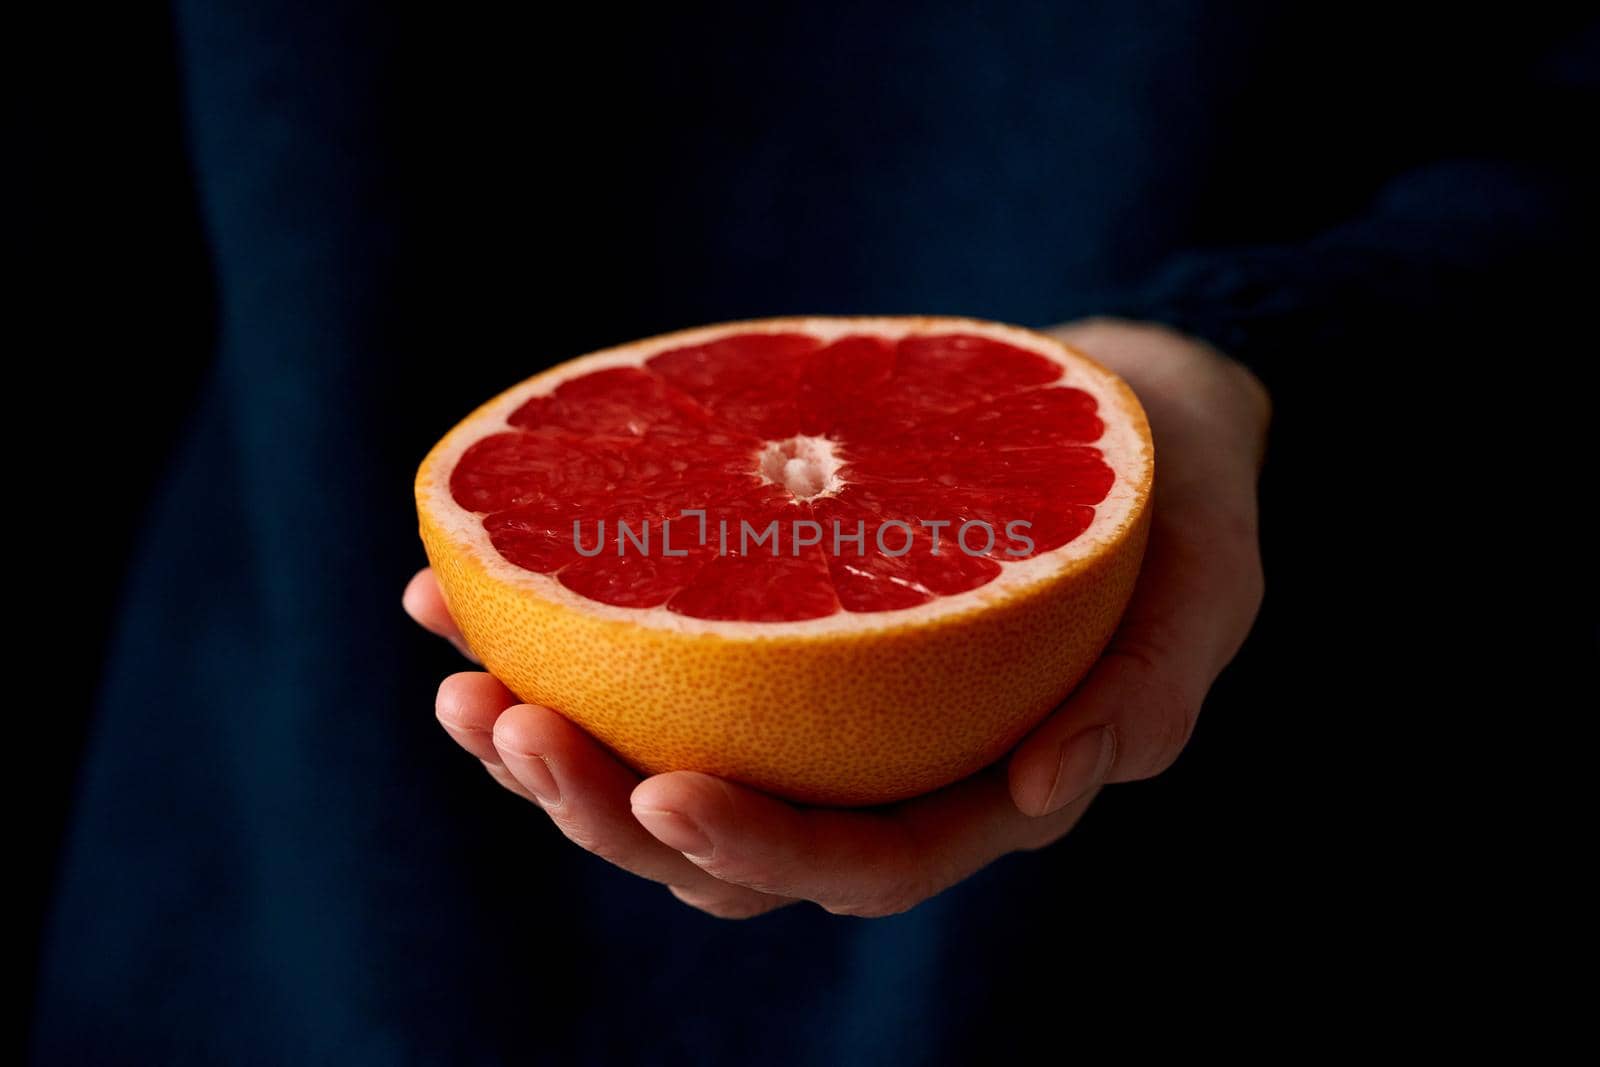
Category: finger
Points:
column 585, row 791
column 876, row 862
column 1197, row 597
column 425, row 604
column 508, row 781
column 467, row 706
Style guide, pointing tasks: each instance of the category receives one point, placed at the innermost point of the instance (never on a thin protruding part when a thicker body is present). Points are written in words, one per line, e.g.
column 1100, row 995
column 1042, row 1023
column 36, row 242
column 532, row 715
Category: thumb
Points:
column 1133, row 714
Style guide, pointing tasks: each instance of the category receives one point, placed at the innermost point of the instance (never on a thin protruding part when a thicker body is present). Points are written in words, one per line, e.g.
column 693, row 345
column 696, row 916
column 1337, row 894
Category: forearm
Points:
column 1489, row 234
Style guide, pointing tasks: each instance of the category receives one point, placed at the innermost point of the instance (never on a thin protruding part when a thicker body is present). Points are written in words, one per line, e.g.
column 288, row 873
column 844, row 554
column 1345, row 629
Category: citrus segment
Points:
column 947, row 429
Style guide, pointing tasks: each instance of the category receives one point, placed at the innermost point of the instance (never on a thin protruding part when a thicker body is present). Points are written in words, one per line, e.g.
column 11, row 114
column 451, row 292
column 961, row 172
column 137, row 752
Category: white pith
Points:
column 804, row 465
column 810, row 461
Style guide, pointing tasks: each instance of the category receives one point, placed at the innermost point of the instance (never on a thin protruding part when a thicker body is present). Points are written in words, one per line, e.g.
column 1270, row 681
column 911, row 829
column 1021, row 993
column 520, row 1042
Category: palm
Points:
column 735, row 852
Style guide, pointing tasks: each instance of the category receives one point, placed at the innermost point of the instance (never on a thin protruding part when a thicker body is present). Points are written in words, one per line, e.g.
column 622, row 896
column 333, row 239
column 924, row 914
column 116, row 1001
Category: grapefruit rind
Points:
column 848, row 709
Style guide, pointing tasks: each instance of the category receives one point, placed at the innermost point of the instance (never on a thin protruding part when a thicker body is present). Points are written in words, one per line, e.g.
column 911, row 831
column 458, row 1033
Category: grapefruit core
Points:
column 955, row 514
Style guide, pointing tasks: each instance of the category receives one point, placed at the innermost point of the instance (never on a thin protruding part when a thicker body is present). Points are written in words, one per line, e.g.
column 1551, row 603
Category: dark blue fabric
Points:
column 277, row 857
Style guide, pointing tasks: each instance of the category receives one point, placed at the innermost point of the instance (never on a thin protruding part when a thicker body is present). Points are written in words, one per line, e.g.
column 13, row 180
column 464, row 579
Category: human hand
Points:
column 735, row 852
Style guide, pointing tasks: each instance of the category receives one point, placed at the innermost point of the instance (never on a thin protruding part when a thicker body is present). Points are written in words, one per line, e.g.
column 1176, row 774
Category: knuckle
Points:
column 889, row 900
column 1168, row 710
column 1173, row 727
column 1142, row 652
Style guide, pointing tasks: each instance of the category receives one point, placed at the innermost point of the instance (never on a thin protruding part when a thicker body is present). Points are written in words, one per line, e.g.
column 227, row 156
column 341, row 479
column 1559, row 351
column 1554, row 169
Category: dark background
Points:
column 318, row 234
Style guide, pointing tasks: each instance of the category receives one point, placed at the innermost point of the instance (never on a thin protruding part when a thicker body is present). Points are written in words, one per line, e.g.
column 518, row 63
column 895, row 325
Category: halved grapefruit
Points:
column 844, row 560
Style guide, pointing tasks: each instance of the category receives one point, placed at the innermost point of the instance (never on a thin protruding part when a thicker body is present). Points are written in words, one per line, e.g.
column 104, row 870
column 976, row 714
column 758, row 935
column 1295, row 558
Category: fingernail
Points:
column 1085, row 761
column 536, row 771
column 676, row 830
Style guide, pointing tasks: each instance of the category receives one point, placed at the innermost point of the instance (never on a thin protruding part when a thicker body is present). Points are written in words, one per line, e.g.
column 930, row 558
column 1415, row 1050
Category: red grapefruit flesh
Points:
column 953, row 514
